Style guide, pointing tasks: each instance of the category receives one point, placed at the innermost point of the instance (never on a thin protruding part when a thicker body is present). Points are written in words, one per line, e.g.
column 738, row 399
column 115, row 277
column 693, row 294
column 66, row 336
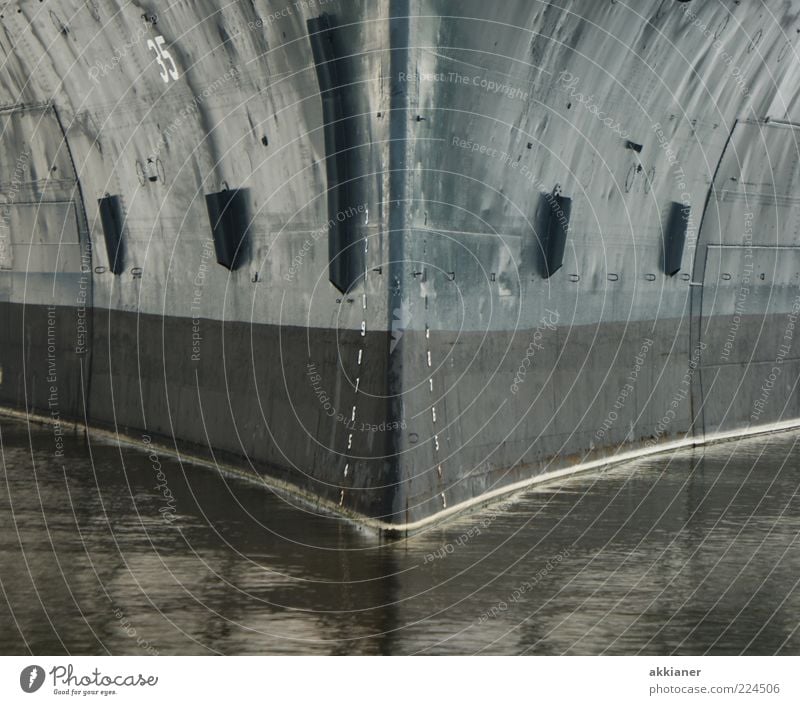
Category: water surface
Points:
column 689, row 553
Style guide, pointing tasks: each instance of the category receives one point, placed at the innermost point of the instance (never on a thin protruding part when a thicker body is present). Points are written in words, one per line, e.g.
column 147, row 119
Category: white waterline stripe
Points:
column 320, row 502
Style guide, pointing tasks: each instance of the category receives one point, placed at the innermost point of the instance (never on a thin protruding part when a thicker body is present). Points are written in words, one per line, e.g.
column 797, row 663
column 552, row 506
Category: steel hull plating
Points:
column 469, row 249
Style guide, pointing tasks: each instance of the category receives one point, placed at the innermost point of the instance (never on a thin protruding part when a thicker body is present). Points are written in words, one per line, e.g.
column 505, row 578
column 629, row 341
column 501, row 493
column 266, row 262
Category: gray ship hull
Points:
column 400, row 258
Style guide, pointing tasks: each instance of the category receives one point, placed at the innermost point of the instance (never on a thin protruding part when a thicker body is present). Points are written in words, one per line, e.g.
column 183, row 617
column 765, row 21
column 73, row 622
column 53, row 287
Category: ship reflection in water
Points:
column 111, row 551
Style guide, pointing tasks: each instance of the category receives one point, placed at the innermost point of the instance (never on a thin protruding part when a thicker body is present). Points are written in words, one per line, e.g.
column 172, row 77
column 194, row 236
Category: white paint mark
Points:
column 163, row 56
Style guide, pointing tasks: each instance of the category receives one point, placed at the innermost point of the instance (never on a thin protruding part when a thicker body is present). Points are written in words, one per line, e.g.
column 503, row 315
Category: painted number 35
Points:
column 164, row 59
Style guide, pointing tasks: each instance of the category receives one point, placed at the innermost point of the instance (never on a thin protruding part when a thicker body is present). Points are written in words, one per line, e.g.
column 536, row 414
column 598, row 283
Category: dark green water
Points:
column 692, row 553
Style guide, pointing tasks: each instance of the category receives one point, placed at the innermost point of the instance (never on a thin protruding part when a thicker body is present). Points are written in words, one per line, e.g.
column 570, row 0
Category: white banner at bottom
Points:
column 400, row 680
